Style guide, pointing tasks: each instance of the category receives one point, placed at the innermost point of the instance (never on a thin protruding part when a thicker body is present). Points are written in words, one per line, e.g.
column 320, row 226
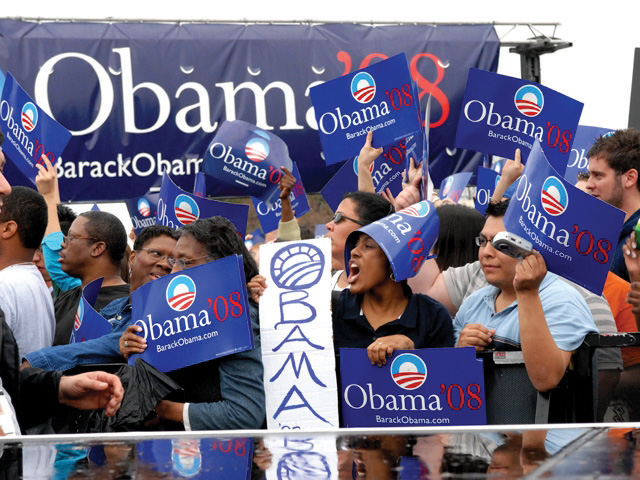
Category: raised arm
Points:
column 510, row 173
column 367, row 156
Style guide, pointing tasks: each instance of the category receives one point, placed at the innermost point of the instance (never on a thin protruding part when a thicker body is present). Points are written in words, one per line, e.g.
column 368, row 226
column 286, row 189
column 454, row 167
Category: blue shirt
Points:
column 567, row 315
column 51, row 246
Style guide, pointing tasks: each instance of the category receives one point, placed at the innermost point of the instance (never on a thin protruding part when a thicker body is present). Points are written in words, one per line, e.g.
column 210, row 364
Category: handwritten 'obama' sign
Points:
column 297, row 336
column 195, row 315
column 377, row 98
column 574, row 232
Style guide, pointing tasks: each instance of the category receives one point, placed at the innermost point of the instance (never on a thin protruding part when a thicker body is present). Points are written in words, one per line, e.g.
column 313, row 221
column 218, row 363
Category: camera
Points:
column 512, row 245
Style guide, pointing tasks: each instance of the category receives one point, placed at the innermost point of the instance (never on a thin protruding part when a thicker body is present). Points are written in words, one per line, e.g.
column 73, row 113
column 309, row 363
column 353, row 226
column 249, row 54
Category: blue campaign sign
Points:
column 386, row 172
column 431, row 386
column 500, row 114
column 247, row 160
column 177, row 208
column 195, row 315
column 379, row 97
column 485, row 186
column 200, row 185
column 270, row 216
column 576, row 233
column 578, row 161
column 197, row 458
column 320, row 230
column 406, row 237
column 453, row 186
column 142, row 211
column 30, row 132
column 89, row 324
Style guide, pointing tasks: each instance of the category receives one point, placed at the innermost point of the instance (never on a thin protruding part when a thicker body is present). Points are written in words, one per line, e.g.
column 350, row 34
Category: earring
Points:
column 392, row 276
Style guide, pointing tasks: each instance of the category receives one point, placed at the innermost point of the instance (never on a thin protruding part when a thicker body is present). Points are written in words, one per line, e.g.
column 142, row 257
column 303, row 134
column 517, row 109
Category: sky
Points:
column 596, row 70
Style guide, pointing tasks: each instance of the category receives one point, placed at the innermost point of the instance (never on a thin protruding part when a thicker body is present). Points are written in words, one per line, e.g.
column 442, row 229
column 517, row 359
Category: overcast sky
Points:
column 596, row 70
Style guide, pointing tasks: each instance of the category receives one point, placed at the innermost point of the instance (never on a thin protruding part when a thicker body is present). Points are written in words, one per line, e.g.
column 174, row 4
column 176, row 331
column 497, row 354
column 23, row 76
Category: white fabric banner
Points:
column 297, row 336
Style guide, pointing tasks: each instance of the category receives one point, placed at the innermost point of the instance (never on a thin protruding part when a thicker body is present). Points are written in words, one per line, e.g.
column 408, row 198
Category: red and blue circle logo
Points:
column 186, row 209
column 420, row 209
column 79, row 316
column 554, row 197
column 257, row 149
column 355, row 166
column 363, row 87
column 408, row 371
column 181, row 293
column 447, row 186
column 143, row 207
column 29, row 116
column 186, row 457
column 529, row 100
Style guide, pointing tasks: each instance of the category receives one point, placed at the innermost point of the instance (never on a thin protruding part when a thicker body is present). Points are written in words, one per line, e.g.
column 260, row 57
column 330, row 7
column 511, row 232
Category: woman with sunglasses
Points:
column 356, row 210
column 378, row 307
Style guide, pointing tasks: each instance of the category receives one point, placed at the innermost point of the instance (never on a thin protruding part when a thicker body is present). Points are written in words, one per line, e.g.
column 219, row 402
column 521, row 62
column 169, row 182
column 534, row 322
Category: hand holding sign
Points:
column 530, row 272
column 631, row 258
column 131, row 343
column 47, row 181
column 384, row 347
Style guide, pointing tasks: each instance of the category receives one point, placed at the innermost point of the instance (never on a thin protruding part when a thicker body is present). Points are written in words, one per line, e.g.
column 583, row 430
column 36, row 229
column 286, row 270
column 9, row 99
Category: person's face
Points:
column 604, row 182
column 38, row 261
column 368, row 266
column 338, row 232
column 76, row 248
column 498, row 268
column 5, row 188
column 150, row 262
column 190, row 251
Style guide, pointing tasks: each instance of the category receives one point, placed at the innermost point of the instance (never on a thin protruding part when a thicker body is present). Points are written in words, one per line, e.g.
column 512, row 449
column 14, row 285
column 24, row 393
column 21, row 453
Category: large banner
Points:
column 142, row 98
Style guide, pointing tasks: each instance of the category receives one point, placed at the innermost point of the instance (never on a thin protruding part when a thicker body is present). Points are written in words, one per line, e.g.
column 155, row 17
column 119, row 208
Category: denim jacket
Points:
column 105, row 349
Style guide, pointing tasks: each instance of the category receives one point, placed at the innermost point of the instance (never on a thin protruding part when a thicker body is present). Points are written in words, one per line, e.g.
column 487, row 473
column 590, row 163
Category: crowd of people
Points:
column 470, row 294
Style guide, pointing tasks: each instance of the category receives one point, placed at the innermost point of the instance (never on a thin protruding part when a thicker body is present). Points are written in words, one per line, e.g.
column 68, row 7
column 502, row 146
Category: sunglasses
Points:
column 338, row 217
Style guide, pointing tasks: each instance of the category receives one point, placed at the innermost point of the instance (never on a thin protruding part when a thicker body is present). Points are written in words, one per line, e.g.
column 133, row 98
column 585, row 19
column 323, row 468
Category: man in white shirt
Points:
column 24, row 297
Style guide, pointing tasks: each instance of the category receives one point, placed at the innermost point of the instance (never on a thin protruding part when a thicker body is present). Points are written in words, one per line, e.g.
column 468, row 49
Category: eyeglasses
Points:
column 156, row 254
column 67, row 238
column 481, row 241
column 338, row 217
column 183, row 263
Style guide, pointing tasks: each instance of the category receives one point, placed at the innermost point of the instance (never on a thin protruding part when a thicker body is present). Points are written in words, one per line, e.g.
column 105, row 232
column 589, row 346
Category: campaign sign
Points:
column 320, row 230
column 177, row 208
column 297, row 337
column 270, row 216
column 485, row 186
column 200, row 185
column 576, row 233
column 247, row 159
column 89, row 324
column 500, row 114
column 406, row 237
column 194, row 315
column 430, row 386
column 377, row 98
column 29, row 131
column 453, row 186
column 585, row 138
column 197, row 458
column 386, row 172
column 142, row 211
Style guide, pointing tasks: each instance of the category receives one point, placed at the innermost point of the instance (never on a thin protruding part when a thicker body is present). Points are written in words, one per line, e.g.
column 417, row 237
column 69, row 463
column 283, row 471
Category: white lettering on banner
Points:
column 475, row 111
column 296, row 333
column 541, row 222
column 357, row 397
column 229, row 90
column 142, row 165
column 580, row 161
